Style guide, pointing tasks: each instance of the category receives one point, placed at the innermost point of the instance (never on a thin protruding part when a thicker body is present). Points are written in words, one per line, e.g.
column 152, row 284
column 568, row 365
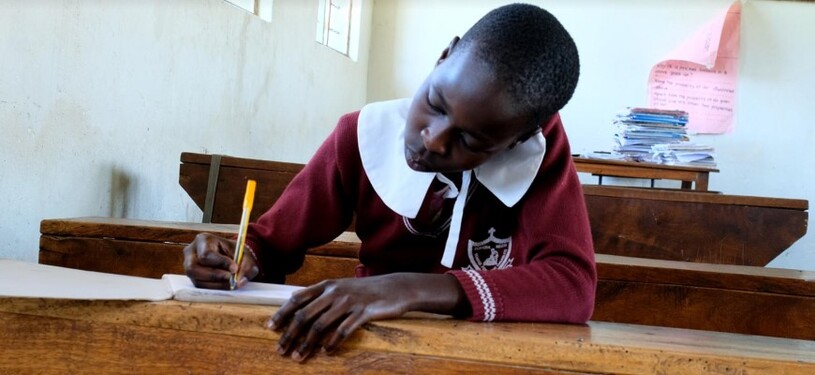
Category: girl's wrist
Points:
column 436, row 293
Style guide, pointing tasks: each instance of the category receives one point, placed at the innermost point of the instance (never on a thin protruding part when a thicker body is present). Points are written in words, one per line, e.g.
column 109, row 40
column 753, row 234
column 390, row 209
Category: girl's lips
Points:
column 414, row 161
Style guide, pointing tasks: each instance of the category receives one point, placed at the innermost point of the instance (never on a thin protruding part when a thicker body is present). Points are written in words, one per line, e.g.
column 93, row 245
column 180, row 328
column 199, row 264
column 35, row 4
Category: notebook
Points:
column 32, row 280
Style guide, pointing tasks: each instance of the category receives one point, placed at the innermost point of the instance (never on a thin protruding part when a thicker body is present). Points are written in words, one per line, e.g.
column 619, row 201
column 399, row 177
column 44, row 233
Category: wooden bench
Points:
column 212, row 189
column 43, row 336
column 692, row 178
column 726, row 298
column 646, row 223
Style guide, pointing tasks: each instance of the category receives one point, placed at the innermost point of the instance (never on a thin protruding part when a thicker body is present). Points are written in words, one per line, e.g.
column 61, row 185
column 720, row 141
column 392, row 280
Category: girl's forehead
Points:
column 474, row 97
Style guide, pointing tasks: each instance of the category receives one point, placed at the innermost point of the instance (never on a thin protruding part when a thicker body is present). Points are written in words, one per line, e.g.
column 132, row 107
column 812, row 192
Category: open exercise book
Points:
column 32, row 280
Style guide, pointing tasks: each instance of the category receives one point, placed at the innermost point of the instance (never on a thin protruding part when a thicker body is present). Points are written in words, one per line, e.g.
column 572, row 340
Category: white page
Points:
column 251, row 293
column 33, row 280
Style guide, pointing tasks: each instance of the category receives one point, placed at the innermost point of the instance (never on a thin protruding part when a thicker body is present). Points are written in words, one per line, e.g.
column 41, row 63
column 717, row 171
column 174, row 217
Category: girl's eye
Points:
column 463, row 139
column 473, row 147
column 435, row 108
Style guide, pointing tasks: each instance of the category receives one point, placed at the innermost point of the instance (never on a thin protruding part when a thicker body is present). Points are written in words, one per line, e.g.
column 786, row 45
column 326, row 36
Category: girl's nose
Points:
column 436, row 138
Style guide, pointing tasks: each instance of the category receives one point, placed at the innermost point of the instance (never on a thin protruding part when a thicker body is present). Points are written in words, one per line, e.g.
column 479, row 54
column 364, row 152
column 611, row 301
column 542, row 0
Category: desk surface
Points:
column 68, row 336
column 688, row 175
column 718, row 297
column 579, row 159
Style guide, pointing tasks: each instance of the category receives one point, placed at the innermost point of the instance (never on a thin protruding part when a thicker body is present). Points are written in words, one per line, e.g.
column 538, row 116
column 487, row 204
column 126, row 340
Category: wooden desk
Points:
column 726, row 298
column 116, row 337
column 617, row 168
column 152, row 248
column 693, row 227
column 649, row 223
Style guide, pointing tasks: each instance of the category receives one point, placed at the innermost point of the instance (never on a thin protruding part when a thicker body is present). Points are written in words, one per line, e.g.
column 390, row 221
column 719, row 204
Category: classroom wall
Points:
column 99, row 98
column 769, row 153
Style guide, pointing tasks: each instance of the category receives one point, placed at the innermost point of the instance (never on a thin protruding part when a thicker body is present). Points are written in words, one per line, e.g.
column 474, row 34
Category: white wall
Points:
column 99, row 98
column 770, row 153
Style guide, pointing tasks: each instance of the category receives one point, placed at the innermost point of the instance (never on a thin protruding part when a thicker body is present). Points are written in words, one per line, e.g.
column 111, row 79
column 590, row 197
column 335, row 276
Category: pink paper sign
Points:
column 700, row 76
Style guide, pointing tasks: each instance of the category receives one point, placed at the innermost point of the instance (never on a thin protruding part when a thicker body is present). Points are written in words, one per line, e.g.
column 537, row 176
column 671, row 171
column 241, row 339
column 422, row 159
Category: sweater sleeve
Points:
column 314, row 208
column 555, row 278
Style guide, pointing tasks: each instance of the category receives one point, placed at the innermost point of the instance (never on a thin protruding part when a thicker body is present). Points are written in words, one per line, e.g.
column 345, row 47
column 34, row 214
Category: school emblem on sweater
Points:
column 490, row 254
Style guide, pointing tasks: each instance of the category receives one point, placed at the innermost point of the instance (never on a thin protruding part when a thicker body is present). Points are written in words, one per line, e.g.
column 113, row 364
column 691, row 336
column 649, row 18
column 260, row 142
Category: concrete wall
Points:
column 770, row 152
column 99, row 98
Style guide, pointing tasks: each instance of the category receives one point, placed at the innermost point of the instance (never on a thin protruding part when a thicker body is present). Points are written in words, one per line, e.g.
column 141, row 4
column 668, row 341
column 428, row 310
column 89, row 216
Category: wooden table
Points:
column 693, row 178
column 45, row 336
column 726, row 298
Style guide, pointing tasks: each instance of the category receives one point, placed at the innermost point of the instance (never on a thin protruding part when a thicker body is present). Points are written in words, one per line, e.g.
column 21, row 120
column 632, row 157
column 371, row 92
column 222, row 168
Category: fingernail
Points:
column 280, row 350
column 270, row 324
column 297, row 356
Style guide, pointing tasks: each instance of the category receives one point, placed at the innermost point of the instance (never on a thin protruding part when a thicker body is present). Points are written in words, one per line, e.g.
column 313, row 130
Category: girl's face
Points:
column 460, row 117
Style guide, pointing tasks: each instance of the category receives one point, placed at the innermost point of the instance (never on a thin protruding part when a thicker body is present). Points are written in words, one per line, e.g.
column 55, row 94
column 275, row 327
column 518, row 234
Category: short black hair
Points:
column 531, row 52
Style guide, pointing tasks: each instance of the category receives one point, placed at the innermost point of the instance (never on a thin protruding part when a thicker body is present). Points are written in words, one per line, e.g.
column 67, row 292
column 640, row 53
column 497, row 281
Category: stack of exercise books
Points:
column 685, row 154
column 658, row 136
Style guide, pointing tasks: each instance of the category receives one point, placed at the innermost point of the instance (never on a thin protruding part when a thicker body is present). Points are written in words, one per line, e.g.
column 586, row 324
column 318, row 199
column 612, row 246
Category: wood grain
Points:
column 693, row 231
column 60, row 336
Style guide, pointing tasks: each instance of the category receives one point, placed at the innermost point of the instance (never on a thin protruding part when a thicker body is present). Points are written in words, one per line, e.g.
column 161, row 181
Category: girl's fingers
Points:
column 345, row 329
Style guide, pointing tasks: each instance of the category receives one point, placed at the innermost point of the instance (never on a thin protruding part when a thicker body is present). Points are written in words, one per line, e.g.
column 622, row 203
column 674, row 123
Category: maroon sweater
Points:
column 530, row 262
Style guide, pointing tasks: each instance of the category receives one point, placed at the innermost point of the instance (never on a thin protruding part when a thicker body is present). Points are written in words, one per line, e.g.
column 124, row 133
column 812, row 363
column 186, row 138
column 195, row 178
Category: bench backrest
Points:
column 647, row 223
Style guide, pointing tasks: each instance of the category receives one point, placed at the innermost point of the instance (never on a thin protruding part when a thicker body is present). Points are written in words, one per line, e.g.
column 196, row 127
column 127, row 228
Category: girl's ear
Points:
column 446, row 52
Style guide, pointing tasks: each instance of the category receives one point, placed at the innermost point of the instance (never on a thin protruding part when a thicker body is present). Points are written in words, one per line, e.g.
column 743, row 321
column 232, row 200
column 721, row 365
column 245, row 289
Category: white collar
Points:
column 381, row 136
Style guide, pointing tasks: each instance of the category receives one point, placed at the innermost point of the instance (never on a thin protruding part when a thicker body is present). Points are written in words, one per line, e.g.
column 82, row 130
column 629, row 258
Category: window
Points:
column 260, row 8
column 338, row 25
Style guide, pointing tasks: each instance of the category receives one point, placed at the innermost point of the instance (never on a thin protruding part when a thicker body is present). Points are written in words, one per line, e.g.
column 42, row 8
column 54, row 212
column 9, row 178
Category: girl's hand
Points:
column 325, row 314
column 208, row 262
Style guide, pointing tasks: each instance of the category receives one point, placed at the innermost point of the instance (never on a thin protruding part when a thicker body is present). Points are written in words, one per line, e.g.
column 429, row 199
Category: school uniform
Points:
column 513, row 231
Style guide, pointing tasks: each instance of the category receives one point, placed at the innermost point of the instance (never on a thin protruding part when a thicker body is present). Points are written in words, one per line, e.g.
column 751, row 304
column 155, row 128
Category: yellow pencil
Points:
column 240, row 244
